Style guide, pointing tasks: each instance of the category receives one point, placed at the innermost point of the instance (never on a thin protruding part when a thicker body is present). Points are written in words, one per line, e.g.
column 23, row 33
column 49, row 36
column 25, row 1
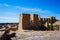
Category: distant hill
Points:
column 8, row 23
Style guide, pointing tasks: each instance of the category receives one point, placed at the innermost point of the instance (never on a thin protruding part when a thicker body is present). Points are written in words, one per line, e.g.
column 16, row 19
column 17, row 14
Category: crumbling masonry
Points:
column 33, row 21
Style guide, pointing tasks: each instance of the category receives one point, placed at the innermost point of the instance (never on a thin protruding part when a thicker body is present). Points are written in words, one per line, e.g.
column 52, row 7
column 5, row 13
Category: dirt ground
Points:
column 38, row 35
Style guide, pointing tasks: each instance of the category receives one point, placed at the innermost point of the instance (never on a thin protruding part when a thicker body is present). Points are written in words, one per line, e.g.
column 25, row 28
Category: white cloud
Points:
column 17, row 7
column 8, row 19
column 24, row 9
column 33, row 10
column 7, row 5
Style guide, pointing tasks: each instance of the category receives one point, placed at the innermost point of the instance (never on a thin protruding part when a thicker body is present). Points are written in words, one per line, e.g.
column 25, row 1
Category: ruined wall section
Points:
column 20, row 22
column 36, row 20
column 26, row 21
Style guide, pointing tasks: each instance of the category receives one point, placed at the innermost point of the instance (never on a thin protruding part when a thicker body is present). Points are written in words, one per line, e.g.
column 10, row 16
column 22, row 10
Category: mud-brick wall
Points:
column 20, row 22
column 36, row 20
column 26, row 21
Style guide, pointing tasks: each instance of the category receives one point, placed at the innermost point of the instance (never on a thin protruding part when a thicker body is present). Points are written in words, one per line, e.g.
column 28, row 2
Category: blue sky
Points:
column 10, row 9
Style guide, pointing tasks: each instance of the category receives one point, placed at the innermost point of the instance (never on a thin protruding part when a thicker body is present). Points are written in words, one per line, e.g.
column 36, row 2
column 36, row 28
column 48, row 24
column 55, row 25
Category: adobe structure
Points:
column 33, row 22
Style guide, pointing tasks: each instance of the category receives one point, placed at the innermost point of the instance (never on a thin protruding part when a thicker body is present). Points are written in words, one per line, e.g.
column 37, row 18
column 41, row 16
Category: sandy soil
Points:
column 38, row 35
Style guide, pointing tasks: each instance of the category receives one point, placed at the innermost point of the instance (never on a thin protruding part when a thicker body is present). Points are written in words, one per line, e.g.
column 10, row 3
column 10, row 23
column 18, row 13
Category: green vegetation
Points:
column 51, row 25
